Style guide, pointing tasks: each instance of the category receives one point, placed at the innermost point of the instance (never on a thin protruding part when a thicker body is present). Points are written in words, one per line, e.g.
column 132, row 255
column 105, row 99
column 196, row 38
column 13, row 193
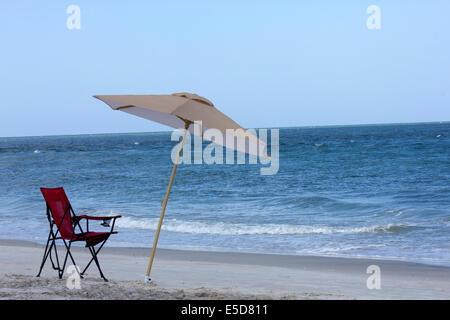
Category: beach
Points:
column 345, row 200
column 182, row 274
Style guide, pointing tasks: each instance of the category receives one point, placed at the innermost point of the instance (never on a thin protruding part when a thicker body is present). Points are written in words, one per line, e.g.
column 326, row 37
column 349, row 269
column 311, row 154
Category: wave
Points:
column 315, row 201
column 349, row 248
column 222, row 228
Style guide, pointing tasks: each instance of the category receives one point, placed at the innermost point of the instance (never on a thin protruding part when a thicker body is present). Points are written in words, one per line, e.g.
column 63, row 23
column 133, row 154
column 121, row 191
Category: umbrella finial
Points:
column 193, row 96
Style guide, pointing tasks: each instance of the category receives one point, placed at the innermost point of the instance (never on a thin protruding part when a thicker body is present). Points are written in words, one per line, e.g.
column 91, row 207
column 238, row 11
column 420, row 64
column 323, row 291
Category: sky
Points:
column 263, row 63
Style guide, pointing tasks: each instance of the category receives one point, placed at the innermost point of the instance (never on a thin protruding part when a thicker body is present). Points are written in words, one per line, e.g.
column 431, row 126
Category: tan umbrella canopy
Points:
column 181, row 110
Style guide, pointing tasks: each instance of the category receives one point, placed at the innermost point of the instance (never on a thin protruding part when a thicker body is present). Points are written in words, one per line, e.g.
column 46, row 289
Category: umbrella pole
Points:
column 164, row 204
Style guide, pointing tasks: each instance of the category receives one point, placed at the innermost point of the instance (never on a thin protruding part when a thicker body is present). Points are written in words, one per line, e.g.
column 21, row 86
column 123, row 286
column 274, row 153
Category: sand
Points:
column 216, row 275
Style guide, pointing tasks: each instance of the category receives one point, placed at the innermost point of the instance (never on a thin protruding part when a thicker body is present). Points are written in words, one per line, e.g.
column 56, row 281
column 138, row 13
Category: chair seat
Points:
column 92, row 238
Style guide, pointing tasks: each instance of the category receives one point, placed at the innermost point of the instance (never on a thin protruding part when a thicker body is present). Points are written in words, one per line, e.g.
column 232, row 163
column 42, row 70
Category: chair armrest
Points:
column 97, row 218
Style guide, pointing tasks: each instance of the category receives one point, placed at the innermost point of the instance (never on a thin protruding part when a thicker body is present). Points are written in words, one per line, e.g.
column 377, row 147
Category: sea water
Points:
column 354, row 191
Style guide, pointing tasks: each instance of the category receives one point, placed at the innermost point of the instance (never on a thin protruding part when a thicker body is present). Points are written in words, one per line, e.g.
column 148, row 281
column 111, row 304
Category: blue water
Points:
column 356, row 191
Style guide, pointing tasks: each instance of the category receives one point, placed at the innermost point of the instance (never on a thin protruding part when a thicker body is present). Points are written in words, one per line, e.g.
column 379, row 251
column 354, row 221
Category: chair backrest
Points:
column 59, row 205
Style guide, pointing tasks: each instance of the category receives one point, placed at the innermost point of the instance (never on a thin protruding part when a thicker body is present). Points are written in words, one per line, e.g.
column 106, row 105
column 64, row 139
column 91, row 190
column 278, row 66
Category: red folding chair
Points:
column 63, row 223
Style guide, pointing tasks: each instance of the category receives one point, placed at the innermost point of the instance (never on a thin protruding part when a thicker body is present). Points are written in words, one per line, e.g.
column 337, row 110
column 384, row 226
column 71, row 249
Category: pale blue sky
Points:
column 263, row 63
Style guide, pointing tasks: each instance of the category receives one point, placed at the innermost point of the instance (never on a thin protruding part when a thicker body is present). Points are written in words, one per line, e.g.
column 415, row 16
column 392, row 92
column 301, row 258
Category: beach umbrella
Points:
column 182, row 110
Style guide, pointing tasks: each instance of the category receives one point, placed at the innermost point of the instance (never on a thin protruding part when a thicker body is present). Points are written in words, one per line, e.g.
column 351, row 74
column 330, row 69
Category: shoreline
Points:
column 169, row 252
column 220, row 275
column 221, row 256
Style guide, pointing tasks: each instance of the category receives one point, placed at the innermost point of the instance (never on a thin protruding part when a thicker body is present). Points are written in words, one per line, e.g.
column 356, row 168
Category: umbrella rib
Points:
column 125, row 107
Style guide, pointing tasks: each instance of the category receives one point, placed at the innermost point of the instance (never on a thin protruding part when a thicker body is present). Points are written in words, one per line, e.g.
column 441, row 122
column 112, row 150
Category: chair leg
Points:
column 92, row 259
column 48, row 254
column 73, row 261
column 57, row 260
column 44, row 258
column 68, row 254
column 94, row 256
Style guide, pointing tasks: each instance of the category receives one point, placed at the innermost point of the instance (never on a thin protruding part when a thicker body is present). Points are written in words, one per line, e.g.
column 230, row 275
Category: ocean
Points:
column 378, row 191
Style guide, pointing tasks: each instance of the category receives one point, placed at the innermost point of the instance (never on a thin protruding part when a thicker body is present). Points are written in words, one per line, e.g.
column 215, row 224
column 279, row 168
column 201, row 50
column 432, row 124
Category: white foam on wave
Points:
column 222, row 228
column 348, row 248
column 36, row 151
column 318, row 144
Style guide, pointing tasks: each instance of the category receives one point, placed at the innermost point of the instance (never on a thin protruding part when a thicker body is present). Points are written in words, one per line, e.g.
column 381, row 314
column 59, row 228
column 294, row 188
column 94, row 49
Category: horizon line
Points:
column 289, row 127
